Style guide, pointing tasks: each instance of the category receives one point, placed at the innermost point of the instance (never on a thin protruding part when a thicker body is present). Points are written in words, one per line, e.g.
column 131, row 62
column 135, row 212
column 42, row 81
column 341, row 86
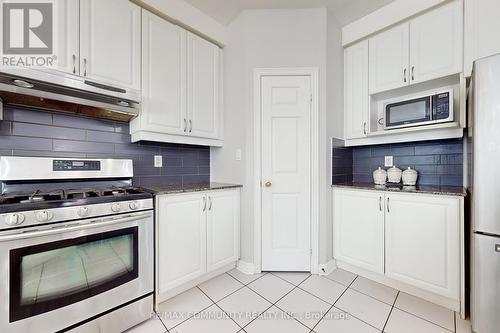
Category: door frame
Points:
column 259, row 73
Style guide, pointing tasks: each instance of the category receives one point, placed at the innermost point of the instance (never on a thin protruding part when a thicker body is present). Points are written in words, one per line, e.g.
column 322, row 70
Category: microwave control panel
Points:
column 441, row 105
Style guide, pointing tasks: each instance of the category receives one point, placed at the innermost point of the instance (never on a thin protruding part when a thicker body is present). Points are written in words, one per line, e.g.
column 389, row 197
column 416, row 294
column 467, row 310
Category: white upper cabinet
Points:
column 181, row 86
column 110, row 42
column 422, row 242
column 163, row 76
column 359, row 229
column 436, row 47
column 356, row 99
column 389, row 57
column 203, row 87
column 425, row 48
column 482, row 25
column 66, row 36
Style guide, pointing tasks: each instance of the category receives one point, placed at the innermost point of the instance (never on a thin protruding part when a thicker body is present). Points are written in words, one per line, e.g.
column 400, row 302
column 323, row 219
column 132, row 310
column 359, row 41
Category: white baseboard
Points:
column 327, row 268
column 245, row 267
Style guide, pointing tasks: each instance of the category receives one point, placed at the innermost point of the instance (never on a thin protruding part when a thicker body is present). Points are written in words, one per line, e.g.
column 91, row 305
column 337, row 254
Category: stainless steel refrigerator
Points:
column 484, row 132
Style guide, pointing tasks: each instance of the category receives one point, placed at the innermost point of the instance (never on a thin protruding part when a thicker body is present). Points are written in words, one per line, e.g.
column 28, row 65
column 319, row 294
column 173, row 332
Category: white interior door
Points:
column 286, row 173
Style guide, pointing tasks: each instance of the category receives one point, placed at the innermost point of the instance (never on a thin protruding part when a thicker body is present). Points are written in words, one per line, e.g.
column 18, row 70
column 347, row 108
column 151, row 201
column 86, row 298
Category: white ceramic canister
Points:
column 394, row 175
column 380, row 176
column 410, row 177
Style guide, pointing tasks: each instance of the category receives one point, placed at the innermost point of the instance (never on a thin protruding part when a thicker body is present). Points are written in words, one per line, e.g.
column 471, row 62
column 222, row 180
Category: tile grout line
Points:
column 390, row 312
column 333, row 305
column 274, row 304
column 414, row 315
column 217, row 305
column 182, row 322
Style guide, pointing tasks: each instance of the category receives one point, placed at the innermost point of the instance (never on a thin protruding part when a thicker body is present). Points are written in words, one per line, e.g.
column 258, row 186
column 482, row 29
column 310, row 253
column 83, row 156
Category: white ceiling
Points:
column 346, row 11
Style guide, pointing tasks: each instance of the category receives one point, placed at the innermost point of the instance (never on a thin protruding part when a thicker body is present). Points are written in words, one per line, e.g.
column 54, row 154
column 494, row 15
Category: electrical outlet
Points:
column 158, row 161
column 389, row 161
column 238, row 154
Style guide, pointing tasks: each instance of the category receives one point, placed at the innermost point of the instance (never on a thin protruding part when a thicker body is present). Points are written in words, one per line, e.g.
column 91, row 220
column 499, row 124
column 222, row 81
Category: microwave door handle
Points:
column 92, row 225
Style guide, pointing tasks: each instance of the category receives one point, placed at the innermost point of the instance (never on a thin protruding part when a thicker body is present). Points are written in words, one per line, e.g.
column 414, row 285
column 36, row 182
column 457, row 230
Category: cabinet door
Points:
column 203, row 87
column 436, row 43
column 223, row 233
column 389, row 58
column 422, row 242
column 181, row 235
column 163, row 76
column 359, row 229
column 65, row 36
column 356, row 90
column 481, row 31
column 110, row 42
column 66, row 30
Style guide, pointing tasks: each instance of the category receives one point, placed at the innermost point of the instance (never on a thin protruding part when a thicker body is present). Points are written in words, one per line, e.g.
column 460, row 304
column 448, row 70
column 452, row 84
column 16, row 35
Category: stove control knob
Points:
column 14, row 219
column 116, row 207
column 43, row 216
column 83, row 211
column 133, row 205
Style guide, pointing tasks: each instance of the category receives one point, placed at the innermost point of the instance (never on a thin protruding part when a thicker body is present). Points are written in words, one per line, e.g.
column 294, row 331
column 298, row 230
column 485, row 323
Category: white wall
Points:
column 267, row 39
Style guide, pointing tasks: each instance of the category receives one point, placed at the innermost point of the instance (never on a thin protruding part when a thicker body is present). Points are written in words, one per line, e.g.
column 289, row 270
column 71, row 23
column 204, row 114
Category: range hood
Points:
column 67, row 93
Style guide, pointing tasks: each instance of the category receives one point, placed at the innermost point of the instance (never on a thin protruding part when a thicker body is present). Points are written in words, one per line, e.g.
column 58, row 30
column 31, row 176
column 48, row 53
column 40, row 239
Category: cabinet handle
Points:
column 364, row 127
column 190, row 125
column 413, row 73
column 388, row 210
column 84, row 66
column 204, row 203
column 74, row 63
column 185, row 125
column 210, row 203
column 404, row 75
column 380, row 203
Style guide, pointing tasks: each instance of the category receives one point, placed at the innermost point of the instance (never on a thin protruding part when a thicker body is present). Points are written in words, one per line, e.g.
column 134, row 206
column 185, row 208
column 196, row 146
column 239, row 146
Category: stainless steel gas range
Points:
column 76, row 246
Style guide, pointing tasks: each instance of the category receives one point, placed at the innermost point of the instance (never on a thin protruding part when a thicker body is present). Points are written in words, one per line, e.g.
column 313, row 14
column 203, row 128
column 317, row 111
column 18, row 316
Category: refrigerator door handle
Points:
column 497, row 247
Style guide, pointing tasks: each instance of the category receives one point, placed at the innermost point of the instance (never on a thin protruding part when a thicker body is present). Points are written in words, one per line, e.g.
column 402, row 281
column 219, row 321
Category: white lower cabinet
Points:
column 413, row 239
column 196, row 233
column 422, row 242
column 359, row 229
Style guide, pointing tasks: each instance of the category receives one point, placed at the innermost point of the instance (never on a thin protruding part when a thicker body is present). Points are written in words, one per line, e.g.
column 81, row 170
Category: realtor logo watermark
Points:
column 27, row 34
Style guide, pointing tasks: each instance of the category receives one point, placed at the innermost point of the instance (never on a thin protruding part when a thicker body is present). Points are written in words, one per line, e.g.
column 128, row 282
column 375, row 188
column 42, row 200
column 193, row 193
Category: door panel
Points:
column 389, row 58
column 286, row 144
column 422, row 242
column 222, row 228
column 181, row 239
column 359, row 229
column 164, row 76
column 356, row 90
column 110, row 42
column 203, row 87
column 436, row 43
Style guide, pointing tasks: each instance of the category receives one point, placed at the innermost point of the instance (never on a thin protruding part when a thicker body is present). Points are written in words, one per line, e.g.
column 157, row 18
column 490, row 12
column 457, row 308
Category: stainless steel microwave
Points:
column 417, row 111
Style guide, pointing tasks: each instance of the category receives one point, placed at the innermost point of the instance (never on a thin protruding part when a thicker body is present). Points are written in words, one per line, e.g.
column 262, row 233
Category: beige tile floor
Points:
column 341, row 302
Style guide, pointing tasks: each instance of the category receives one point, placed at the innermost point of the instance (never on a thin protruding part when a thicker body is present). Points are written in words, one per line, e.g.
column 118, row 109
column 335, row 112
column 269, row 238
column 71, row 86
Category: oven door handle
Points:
column 64, row 229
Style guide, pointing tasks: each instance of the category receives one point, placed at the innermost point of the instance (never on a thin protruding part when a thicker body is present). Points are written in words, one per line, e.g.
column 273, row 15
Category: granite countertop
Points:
column 428, row 189
column 184, row 188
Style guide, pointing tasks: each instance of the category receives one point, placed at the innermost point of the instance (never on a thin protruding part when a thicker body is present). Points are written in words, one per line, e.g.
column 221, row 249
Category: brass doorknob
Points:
column 268, row 184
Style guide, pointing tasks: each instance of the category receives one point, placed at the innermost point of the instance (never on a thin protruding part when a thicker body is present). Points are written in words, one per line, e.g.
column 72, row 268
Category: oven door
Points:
column 56, row 276
column 408, row 113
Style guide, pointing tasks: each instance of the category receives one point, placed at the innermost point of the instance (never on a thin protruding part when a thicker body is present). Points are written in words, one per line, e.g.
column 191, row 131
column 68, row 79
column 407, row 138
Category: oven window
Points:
column 408, row 112
column 49, row 276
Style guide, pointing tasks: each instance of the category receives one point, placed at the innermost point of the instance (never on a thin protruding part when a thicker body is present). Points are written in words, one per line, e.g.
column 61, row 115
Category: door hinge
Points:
column 311, row 98
column 311, row 252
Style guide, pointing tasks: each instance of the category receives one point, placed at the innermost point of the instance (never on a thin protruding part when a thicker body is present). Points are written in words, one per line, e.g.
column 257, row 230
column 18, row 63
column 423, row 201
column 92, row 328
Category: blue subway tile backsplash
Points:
column 25, row 132
column 438, row 162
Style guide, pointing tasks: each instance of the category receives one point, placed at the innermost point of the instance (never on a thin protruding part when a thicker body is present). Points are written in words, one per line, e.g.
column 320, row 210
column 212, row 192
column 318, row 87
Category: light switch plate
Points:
column 389, row 161
column 158, row 161
column 238, row 154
